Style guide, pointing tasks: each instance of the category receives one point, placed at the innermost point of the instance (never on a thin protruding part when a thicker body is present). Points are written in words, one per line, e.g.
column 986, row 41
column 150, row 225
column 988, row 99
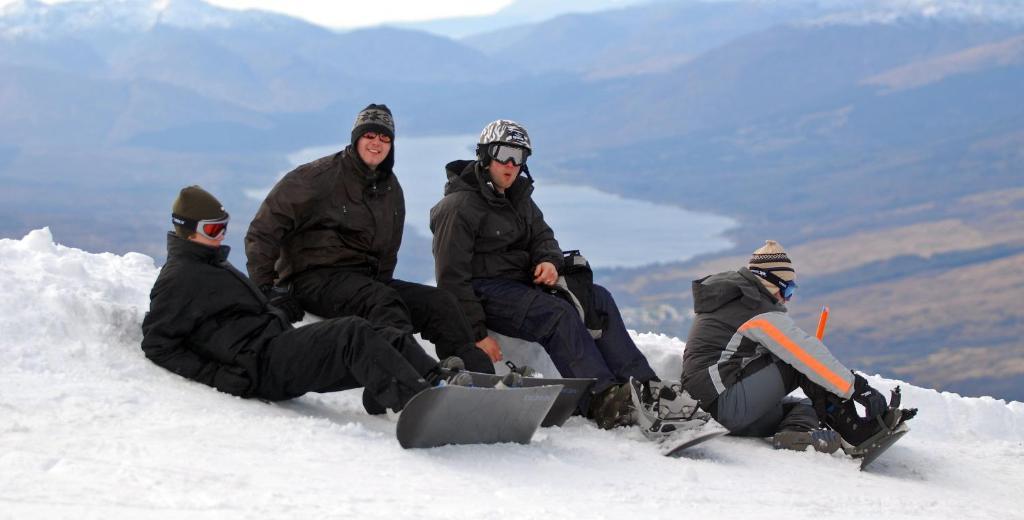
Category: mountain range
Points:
column 881, row 141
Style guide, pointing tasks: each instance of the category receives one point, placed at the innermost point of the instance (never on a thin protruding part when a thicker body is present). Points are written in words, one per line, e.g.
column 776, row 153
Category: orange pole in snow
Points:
column 822, row 322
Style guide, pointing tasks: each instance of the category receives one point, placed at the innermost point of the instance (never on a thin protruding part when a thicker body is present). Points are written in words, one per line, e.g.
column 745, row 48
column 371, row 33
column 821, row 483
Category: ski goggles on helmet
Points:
column 786, row 287
column 213, row 229
column 504, row 153
column 374, row 135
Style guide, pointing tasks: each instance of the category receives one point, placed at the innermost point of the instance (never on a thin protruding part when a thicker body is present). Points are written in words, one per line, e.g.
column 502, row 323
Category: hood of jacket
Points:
column 713, row 292
column 469, row 175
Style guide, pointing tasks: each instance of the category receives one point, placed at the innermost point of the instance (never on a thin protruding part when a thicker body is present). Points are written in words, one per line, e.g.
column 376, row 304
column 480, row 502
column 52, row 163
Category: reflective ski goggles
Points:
column 374, row 135
column 214, row 229
column 504, row 153
column 787, row 288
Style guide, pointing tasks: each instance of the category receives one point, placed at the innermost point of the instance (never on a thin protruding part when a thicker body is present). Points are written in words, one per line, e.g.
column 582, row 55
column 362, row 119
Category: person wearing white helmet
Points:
column 496, row 254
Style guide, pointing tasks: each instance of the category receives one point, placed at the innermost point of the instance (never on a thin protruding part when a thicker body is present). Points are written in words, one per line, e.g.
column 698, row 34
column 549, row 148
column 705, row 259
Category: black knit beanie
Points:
column 373, row 118
column 195, row 203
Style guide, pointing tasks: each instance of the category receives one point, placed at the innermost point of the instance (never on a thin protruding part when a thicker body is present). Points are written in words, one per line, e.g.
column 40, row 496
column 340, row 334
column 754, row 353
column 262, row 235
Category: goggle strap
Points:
column 767, row 274
column 185, row 222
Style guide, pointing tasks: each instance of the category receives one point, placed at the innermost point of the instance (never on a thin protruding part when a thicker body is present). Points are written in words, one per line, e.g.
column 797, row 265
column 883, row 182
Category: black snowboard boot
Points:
column 452, row 371
column 371, row 405
column 453, row 363
column 821, row 439
column 859, row 433
column 612, row 407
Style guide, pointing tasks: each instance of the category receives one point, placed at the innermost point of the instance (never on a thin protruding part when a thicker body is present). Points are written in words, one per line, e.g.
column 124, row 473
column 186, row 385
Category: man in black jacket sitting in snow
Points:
column 496, row 254
column 209, row 323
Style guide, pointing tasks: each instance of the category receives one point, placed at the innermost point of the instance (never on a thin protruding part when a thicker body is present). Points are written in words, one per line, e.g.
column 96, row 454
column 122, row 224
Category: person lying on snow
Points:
column 208, row 322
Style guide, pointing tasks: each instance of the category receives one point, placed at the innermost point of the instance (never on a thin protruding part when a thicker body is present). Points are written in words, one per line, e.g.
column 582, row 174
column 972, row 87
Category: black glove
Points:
column 232, row 380
column 873, row 402
column 281, row 297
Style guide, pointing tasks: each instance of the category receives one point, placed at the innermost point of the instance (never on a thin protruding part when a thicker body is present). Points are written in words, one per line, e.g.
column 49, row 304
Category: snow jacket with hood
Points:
column 739, row 329
column 332, row 212
column 206, row 320
column 480, row 233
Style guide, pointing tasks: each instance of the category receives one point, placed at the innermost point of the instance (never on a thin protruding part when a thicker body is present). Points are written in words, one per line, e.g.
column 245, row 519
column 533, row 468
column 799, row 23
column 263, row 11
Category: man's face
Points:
column 209, row 242
column 503, row 174
column 373, row 149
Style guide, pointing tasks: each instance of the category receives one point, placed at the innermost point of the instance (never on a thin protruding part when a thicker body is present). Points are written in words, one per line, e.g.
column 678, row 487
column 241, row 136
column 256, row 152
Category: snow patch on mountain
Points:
column 31, row 18
column 861, row 12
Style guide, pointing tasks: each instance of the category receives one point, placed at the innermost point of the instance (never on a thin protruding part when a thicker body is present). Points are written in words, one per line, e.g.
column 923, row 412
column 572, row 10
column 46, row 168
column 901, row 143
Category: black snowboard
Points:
column 676, row 447
column 892, row 434
column 471, row 415
column 573, row 389
column 878, row 447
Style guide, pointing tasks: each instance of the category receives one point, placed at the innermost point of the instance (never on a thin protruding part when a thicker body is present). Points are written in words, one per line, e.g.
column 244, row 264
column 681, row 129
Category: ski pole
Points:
column 822, row 322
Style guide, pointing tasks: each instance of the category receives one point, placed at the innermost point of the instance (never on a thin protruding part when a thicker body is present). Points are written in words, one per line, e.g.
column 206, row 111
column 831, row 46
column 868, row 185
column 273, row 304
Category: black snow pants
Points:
column 340, row 354
column 407, row 307
column 525, row 311
column 757, row 405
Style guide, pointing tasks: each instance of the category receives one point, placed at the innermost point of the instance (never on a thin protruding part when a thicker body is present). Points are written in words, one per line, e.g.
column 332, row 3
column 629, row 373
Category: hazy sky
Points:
column 358, row 13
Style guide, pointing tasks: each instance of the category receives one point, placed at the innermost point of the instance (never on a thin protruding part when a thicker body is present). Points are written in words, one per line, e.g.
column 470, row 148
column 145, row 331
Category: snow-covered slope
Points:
column 90, row 429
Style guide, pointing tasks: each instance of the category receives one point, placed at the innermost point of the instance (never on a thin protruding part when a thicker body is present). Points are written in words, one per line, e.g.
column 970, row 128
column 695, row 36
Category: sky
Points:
column 358, row 13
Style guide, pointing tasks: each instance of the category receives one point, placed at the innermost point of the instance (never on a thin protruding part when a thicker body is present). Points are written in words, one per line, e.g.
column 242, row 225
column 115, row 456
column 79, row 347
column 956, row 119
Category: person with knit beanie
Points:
column 196, row 212
column 745, row 355
column 329, row 233
column 773, row 266
column 209, row 323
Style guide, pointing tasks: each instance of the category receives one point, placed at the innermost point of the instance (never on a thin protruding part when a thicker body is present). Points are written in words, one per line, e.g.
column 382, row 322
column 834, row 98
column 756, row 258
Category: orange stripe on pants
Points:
column 800, row 353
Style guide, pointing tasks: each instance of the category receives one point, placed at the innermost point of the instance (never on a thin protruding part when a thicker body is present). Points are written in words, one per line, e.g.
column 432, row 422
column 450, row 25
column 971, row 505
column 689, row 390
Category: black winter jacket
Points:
column 723, row 303
column 332, row 212
column 480, row 233
column 206, row 320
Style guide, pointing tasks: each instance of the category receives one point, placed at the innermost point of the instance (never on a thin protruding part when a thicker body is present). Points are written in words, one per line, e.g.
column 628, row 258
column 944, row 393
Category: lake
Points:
column 610, row 230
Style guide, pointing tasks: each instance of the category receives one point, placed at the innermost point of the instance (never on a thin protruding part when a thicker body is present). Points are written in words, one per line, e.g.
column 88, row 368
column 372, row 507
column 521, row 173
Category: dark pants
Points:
column 405, row 306
column 758, row 406
column 524, row 311
column 340, row 354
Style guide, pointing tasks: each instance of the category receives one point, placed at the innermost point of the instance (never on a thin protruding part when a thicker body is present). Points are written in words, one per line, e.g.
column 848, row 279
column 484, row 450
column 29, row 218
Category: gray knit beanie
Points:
column 373, row 118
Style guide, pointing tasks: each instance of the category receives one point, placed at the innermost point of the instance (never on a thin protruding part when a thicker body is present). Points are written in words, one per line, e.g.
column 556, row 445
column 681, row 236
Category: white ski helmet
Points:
column 507, row 132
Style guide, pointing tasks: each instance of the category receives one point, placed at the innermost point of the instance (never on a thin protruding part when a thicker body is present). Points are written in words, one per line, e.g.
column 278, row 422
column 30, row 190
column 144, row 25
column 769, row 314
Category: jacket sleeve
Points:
column 543, row 246
column 389, row 260
column 283, row 211
column 173, row 314
column 777, row 332
column 454, row 239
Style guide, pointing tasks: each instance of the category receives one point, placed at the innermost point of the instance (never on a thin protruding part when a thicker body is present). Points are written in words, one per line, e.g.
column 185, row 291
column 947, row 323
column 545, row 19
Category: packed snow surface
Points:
column 89, row 428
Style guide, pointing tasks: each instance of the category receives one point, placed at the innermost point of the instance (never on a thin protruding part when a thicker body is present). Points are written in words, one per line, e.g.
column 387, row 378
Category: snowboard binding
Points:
column 664, row 408
column 891, row 427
